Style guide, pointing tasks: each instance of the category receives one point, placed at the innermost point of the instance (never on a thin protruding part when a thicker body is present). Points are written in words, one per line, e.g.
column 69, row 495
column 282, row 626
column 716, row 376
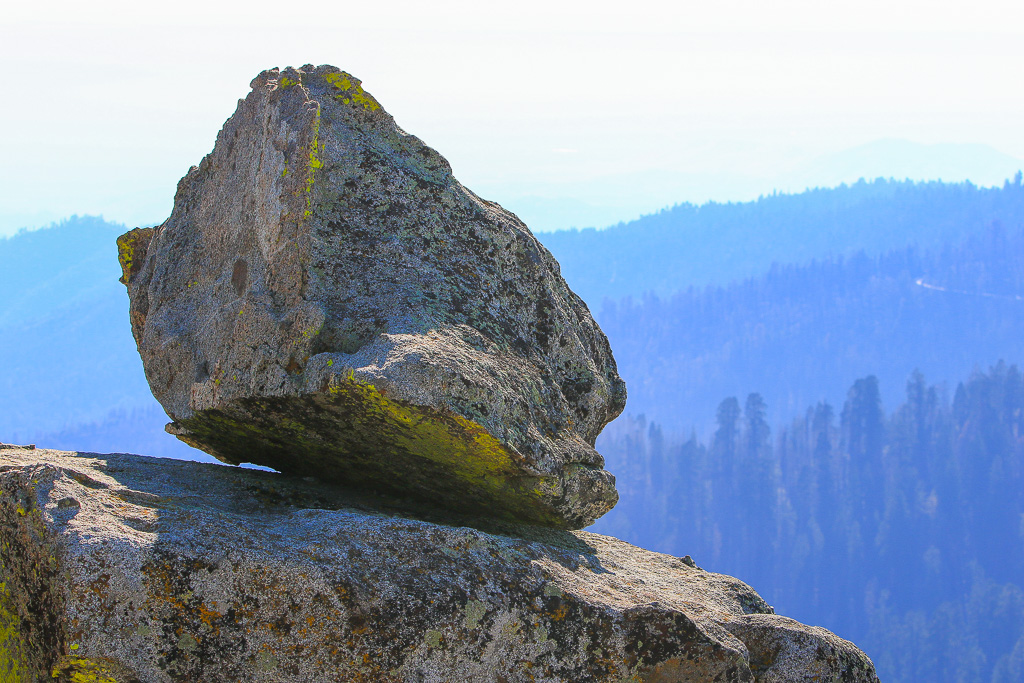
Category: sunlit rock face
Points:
column 119, row 568
column 328, row 300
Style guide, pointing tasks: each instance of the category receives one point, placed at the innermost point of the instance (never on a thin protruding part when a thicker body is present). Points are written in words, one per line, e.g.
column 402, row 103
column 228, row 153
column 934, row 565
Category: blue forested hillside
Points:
column 798, row 333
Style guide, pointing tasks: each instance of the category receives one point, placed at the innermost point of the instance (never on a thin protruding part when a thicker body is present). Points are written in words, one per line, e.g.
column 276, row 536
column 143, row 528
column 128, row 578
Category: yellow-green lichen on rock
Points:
column 131, row 250
column 355, row 435
column 351, row 90
column 72, row 669
column 314, row 163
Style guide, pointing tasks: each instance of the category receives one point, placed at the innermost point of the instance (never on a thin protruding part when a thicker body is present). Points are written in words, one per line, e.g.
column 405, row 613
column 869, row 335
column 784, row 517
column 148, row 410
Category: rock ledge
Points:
column 131, row 568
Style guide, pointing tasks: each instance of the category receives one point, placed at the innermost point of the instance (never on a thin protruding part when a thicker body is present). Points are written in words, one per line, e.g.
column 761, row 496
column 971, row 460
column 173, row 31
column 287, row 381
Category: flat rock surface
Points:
column 161, row 570
column 326, row 298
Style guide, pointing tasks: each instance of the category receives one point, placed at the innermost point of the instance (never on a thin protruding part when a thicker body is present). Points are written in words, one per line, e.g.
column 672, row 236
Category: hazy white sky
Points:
column 108, row 103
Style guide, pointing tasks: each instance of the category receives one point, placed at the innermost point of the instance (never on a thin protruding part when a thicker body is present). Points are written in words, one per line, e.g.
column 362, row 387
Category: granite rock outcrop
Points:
column 327, row 299
column 122, row 568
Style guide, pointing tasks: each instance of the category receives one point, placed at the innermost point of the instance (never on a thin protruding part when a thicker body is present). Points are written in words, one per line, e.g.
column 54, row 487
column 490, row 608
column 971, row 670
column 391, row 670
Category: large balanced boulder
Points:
column 119, row 568
column 326, row 299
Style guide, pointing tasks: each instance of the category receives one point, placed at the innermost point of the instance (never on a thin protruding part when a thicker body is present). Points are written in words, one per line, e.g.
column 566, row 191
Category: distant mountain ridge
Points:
column 548, row 204
column 715, row 244
column 890, row 158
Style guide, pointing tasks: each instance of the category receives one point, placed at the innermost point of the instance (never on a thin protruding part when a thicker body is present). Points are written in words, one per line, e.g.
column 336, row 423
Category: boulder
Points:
column 122, row 568
column 326, row 299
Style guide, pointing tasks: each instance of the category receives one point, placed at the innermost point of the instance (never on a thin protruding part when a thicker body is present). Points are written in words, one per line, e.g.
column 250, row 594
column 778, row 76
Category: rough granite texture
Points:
column 119, row 568
column 326, row 298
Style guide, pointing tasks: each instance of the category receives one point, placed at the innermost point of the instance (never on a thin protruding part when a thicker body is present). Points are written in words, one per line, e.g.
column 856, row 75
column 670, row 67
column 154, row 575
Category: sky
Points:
column 569, row 113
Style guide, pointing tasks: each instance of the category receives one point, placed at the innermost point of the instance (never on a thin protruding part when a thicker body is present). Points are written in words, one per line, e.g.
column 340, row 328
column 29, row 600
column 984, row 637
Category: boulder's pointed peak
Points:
column 324, row 79
column 329, row 108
